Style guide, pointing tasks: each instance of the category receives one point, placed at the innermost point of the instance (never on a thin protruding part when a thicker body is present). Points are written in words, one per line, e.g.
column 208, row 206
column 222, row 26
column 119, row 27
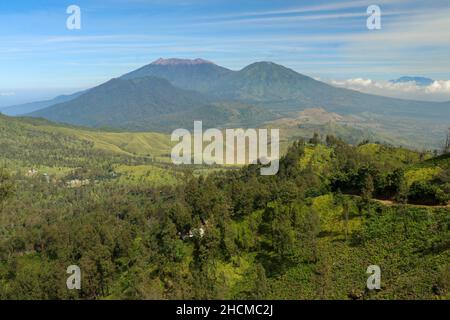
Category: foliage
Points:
column 144, row 230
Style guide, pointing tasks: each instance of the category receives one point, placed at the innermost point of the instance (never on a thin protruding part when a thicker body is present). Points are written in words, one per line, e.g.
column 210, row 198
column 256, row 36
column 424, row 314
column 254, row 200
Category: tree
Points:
column 260, row 286
column 331, row 141
column 307, row 227
column 6, row 186
column 402, row 192
column 367, row 191
column 315, row 140
column 283, row 236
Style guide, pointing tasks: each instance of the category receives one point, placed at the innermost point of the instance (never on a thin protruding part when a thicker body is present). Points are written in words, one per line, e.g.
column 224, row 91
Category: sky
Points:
column 328, row 40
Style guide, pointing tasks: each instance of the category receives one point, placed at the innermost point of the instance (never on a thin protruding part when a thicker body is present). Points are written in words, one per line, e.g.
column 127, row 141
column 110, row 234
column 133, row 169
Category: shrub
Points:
column 422, row 192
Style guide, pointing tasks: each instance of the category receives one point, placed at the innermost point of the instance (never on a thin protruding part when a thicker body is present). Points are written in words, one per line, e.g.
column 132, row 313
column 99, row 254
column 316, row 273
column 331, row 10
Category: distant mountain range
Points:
column 173, row 92
column 25, row 108
column 420, row 81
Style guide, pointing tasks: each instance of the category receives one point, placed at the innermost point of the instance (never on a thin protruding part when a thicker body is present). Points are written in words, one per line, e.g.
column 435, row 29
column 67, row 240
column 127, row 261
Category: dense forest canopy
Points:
column 309, row 232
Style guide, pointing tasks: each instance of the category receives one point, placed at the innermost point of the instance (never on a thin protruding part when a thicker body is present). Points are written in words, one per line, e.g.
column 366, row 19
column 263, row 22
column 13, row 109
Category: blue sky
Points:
column 323, row 39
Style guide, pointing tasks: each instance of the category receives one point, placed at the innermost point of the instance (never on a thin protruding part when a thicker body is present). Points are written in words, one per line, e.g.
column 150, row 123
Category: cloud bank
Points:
column 7, row 94
column 439, row 90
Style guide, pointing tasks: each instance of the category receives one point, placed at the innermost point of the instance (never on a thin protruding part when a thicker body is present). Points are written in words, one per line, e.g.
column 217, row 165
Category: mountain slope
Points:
column 267, row 83
column 216, row 115
column 123, row 103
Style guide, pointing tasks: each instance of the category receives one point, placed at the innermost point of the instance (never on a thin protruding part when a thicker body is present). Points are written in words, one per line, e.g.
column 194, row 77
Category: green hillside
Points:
column 39, row 149
column 429, row 180
column 309, row 232
column 29, row 139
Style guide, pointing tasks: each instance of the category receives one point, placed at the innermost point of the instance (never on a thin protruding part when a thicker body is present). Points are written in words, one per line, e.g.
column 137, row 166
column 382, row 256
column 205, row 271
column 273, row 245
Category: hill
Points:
column 28, row 142
column 429, row 181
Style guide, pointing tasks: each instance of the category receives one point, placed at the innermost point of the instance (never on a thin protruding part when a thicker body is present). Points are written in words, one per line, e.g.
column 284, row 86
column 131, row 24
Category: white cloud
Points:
column 304, row 9
column 441, row 86
column 7, row 94
column 439, row 90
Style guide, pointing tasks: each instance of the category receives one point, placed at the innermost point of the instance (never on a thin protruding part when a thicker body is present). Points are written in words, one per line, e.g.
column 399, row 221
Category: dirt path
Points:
column 393, row 203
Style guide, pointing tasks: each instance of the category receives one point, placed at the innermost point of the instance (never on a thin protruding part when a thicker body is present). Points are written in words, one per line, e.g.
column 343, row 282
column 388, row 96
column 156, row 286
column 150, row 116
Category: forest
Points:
column 143, row 229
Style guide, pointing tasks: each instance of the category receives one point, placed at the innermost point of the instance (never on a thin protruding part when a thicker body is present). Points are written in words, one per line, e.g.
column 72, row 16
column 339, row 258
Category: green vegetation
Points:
column 140, row 228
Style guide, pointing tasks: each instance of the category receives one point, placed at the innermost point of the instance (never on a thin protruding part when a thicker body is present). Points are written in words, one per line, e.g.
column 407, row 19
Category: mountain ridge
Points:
column 266, row 85
column 420, row 81
column 187, row 74
column 178, row 61
column 24, row 108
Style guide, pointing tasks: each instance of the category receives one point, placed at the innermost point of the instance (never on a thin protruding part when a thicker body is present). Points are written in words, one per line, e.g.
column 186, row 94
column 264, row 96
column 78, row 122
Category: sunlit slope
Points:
column 142, row 144
column 23, row 137
column 433, row 170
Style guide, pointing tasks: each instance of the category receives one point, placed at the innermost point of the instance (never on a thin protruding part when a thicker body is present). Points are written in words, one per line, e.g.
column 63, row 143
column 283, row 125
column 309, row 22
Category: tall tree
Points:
column 367, row 191
column 6, row 186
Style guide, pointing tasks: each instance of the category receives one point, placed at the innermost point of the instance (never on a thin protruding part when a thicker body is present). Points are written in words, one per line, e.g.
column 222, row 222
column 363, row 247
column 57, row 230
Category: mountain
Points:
column 120, row 103
column 188, row 74
column 157, row 97
column 25, row 108
column 149, row 103
column 269, row 84
column 276, row 87
column 197, row 74
column 420, row 81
